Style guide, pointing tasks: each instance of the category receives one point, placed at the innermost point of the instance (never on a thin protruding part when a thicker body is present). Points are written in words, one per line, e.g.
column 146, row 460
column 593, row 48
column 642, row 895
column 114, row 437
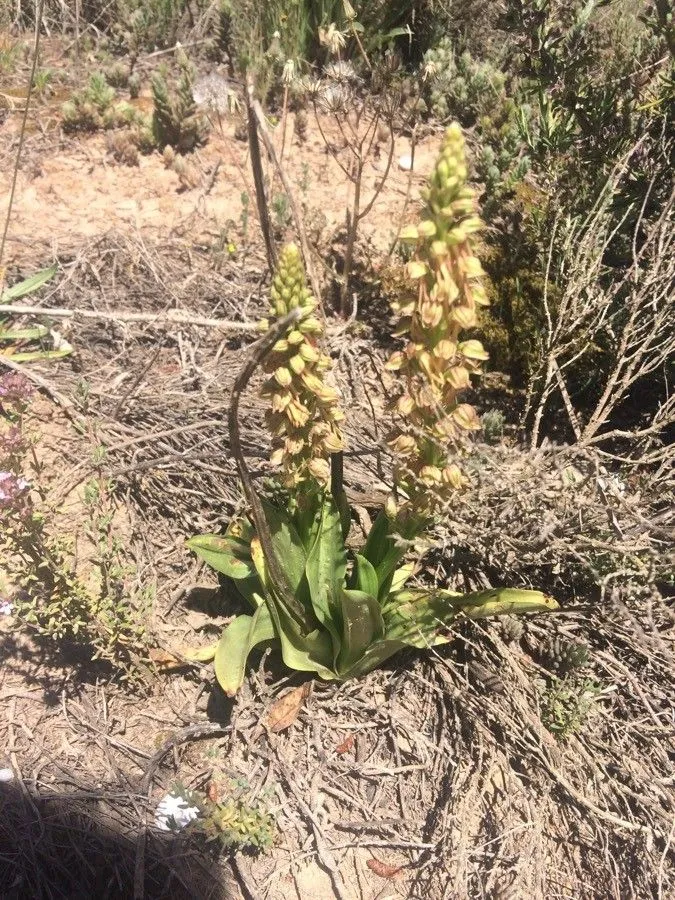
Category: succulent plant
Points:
column 176, row 119
column 566, row 656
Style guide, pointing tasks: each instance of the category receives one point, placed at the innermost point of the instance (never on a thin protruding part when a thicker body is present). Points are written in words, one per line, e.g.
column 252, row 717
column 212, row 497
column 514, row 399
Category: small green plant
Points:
column 94, row 108
column 477, row 93
column 117, row 75
column 50, row 593
column 176, row 120
column 493, row 426
column 281, row 211
column 134, row 84
column 35, row 342
column 236, row 822
column 567, row 703
column 333, row 611
column 9, row 54
column 42, row 82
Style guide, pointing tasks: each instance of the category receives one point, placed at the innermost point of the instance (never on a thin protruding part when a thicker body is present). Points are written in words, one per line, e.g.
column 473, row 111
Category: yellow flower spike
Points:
column 299, row 399
column 445, row 275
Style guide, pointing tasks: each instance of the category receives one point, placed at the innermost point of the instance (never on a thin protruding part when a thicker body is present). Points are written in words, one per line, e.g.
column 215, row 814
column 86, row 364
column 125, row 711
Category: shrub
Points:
column 176, row 120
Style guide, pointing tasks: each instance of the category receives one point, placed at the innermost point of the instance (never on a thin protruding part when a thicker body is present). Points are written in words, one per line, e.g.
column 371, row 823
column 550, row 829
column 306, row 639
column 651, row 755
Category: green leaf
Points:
column 499, row 602
column 378, row 540
column 374, row 656
column 226, row 555
column 288, row 547
column 202, row 654
column 362, row 625
column 28, row 285
column 237, row 641
column 24, row 334
column 364, row 576
column 36, row 355
column 325, row 572
column 311, row 652
column 400, row 577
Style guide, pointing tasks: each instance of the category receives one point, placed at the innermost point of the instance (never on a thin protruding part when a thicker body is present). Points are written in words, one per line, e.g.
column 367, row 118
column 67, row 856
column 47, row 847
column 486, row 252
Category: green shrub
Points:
column 176, row 120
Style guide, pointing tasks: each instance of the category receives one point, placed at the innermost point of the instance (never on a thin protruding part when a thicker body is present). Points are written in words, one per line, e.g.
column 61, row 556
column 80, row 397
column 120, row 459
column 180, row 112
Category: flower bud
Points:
column 283, row 376
column 473, row 349
column 466, row 417
column 319, row 468
column 409, row 234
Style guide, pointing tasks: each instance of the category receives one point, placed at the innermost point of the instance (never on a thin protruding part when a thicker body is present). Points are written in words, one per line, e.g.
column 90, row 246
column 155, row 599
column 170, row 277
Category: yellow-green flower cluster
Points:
column 446, row 289
column 304, row 413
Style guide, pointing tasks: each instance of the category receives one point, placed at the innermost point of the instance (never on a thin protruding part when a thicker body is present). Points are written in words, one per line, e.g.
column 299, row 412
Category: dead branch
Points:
column 164, row 319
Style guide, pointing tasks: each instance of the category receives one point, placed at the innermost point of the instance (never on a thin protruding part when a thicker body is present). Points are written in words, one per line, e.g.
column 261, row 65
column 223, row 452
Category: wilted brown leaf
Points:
column 346, row 745
column 382, row 869
column 284, row 712
column 165, row 661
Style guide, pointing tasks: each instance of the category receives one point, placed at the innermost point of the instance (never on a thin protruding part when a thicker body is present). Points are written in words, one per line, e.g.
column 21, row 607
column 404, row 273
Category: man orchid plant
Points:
column 332, row 610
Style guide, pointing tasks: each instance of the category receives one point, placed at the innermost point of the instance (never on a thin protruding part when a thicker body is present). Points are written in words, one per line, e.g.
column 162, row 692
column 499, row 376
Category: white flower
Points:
column 288, row 73
column 174, row 813
column 6, row 608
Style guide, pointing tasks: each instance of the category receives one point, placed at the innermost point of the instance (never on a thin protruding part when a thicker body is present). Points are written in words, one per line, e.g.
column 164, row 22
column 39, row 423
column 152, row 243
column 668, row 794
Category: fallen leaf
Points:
column 346, row 745
column 284, row 712
column 165, row 661
column 384, row 870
